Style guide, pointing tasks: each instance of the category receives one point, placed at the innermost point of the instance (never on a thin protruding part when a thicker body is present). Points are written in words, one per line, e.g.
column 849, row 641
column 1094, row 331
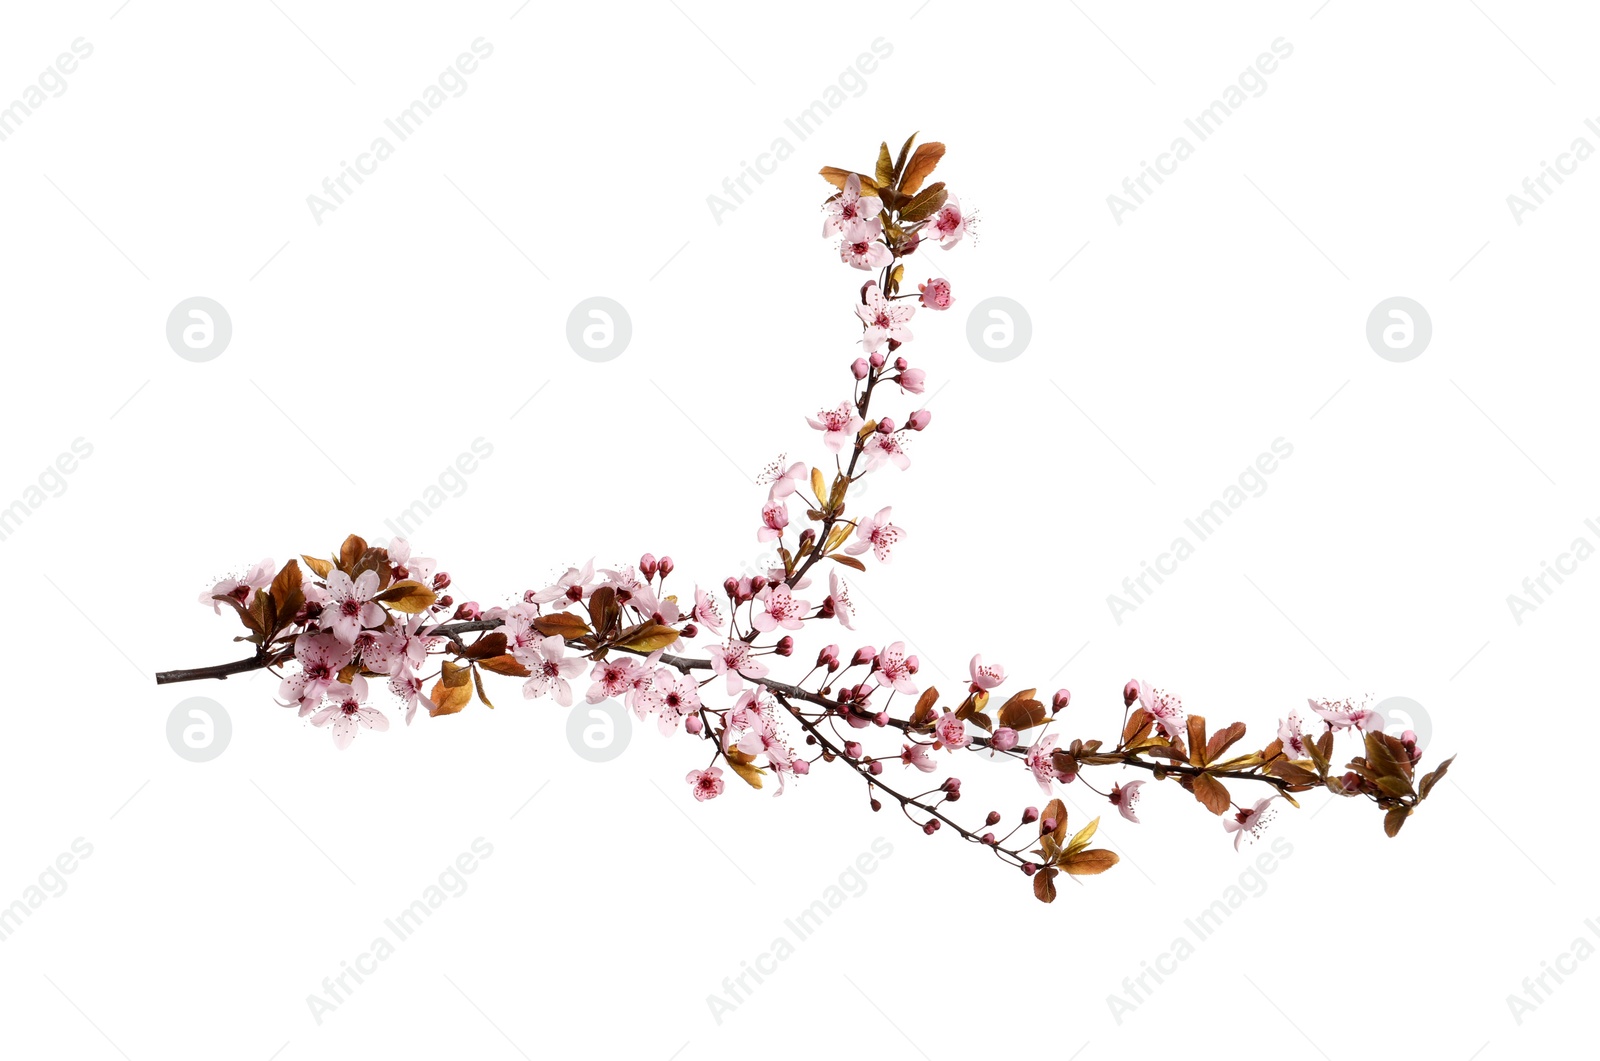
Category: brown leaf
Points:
column 407, row 596
column 603, row 610
column 1090, row 862
column 1197, row 740
column 1056, row 812
column 350, row 553
column 905, row 152
column 922, row 714
column 848, row 561
column 1222, row 740
column 564, row 625
column 488, row 645
column 1138, row 725
column 922, row 162
column 649, row 637
column 1213, row 793
column 323, row 568
column 1433, row 778
column 287, row 594
column 506, row 665
column 836, row 177
column 925, row 203
column 1044, row 885
column 885, row 171
column 1395, row 819
column 1022, row 711
column 453, row 690
column 477, row 682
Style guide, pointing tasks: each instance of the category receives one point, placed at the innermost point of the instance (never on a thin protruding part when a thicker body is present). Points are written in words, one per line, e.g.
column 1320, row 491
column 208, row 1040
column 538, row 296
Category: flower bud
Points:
column 785, row 646
column 665, row 566
column 931, row 827
column 469, row 611
column 446, row 601
column 1061, row 700
column 876, row 805
column 828, row 657
column 1029, row 868
column 879, row 359
column 852, row 749
column 993, row 818
column 1130, row 693
column 730, row 586
column 1031, row 814
column 989, row 839
column 690, row 631
column 875, row 768
column 886, row 426
column 952, row 787
column 441, row 581
column 881, row 718
column 694, row 725
column 936, row 293
column 919, row 420
column 1004, row 739
column 860, row 369
column 802, row 766
column 913, row 664
column 647, row 565
column 864, row 654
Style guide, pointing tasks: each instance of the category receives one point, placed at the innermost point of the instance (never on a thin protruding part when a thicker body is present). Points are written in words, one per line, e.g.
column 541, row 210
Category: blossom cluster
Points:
column 699, row 658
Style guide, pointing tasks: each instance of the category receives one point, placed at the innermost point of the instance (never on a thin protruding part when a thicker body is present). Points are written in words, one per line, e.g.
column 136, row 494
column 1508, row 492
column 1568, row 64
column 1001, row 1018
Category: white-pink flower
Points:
column 843, row 608
column 417, row 568
column 1252, row 821
column 408, row 687
column 736, row 662
column 947, row 226
column 848, row 207
column 784, row 480
column 1126, row 798
column 783, row 609
column 876, row 533
column 985, row 676
column 612, row 677
column 1164, row 707
column 705, row 784
column 550, row 668
column 894, row 669
column 321, row 657
column 774, row 517
column 1347, row 714
column 1038, row 760
column 917, row 755
column 861, row 248
column 673, row 697
column 347, row 711
column 242, row 590
column 347, row 606
column 575, row 585
column 890, row 448
column 883, row 319
column 1294, row 744
column 838, row 426
column 706, row 610
column 951, row 731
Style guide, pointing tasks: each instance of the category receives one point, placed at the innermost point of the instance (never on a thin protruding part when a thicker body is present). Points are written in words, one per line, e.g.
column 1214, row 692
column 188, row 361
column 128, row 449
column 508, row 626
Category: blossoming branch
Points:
column 699, row 658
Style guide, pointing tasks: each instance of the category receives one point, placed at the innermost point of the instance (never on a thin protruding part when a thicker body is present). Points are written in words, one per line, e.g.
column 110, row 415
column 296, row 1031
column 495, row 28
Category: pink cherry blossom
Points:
column 951, row 731
column 838, row 426
column 321, row 657
column 1038, row 761
column 783, row 609
column 894, row 669
column 774, row 517
column 936, row 293
column 347, row 711
column 784, row 480
column 884, row 320
column 878, row 534
column 1347, row 714
column 912, row 380
column 1294, row 744
column 1253, row 821
column 673, row 697
column 242, row 590
column 736, row 662
column 861, row 248
column 917, row 755
column 985, row 676
column 417, row 568
column 947, row 226
column 612, row 677
column 570, row 588
column 1125, row 798
column 546, row 659
column 408, row 687
column 843, row 608
column 886, row 448
column 347, row 606
column 1164, row 707
column 848, row 207
column 706, row 610
column 706, row 784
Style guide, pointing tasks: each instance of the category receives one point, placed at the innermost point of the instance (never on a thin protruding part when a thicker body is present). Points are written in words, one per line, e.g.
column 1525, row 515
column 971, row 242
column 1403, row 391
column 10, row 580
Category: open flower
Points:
column 1038, row 760
column 1347, row 714
column 612, row 677
column 673, row 697
column 947, row 226
column 705, row 784
column 985, row 676
column 838, row 426
column 936, row 293
column 917, row 755
column 1252, row 821
column 782, row 609
column 1294, row 744
column 321, row 657
column 347, row 712
column 550, row 668
column 1125, row 798
column 735, row 661
column 848, row 207
column 890, row 448
column 883, row 319
column 894, row 669
column 951, row 731
column 876, row 533
column 347, row 606
column 575, row 585
column 242, row 590
column 705, row 609
column 839, row 592
column 1164, row 707
column 774, row 517
column 784, row 480
column 861, row 248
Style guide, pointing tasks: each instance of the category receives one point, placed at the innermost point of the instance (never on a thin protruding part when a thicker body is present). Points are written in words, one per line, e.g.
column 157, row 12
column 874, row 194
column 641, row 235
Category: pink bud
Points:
column 694, row 725
column 1031, row 814
column 469, row 611
column 690, row 631
column 864, row 654
column 730, row 586
column 886, row 426
column 881, row 718
column 829, row 656
column 875, row 768
column 1029, row 868
column 1061, row 700
column 900, row 364
column 1130, row 693
column 647, row 565
column 860, row 370
column 989, row 839
column 919, row 420
column 441, row 580
column 951, row 786
column 802, row 766
column 993, row 818
column 664, row 565
column 879, row 359
column 936, row 293
column 913, row 664
column 786, row 646
column 852, row 749
column 1004, row 739
column 932, row 826
column 446, row 600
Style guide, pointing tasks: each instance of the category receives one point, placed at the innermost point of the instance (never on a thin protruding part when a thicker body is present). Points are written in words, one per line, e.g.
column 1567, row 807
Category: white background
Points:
column 1167, row 352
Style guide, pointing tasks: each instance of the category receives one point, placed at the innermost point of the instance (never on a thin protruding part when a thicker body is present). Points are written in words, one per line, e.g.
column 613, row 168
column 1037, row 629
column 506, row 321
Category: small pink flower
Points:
column 1125, row 798
column 951, row 731
column 1038, row 760
column 848, row 207
column 418, row 568
column 883, row 319
column 1294, row 744
column 783, row 609
column 408, row 687
column 861, row 248
column 574, row 586
column 347, row 712
column 612, row 677
column 242, row 590
column 735, row 661
column 917, row 755
column 838, row 426
column 936, row 293
column 321, row 657
column 1347, row 714
column 876, row 533
column 839, row 592
column 894, row 669
column 1004, row 739
column 774, row 517
column 1253, row 821
column 673, row 697
column 1164, row 707
column 912, row 380
column 706, row 784
column 705, row 609
column 550, row 668
column 985, row 676
column 784, row 480
column 947, row 226
column 890, row 448
column 347, row 606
